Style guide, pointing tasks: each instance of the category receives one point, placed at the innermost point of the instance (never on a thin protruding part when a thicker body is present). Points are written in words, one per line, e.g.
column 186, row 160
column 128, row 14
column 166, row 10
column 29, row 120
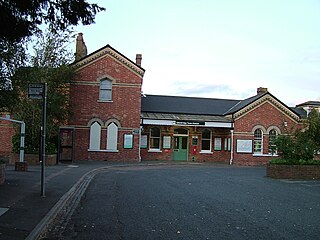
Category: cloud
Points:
column 210, row 90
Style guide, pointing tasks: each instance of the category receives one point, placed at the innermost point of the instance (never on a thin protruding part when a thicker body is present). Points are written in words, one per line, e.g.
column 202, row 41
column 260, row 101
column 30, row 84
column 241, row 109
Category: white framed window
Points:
column 258, row 141
column 112, row 137
column 206, row 140
column 155, row 138
column 272, row 139
column 105, row 90
column 95, row 135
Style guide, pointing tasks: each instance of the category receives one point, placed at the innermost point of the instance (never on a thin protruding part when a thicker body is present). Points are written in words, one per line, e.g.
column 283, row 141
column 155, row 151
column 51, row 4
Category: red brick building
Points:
column 238, row 132
column 105, row 99
column 112, row 121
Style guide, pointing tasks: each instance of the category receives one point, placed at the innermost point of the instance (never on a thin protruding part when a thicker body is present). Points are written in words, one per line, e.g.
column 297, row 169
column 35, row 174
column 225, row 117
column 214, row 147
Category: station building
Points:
column 113, row 121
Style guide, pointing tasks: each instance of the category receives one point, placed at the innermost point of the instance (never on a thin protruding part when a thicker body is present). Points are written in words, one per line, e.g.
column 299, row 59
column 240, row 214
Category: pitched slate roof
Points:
column 186, row 105
column 300, row 111
column 243, row 103
column 309, row 103
column 200, row 106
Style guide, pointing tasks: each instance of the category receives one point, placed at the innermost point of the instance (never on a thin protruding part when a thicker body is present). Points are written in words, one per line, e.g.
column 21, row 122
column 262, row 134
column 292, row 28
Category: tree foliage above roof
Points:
column 21, row 19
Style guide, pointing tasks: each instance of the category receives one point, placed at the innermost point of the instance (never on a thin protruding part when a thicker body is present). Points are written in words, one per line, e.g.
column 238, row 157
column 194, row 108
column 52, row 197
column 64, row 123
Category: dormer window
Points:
column 105, row 90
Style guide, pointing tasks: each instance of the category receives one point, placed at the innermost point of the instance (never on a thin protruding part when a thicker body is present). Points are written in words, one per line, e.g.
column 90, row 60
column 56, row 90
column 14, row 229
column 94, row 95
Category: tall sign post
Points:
column 39, row 91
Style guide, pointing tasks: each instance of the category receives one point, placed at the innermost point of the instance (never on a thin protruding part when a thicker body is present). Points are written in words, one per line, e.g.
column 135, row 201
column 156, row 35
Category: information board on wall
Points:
column 217, row 144
column 166, row 142
column 128, row 141
column 244, row 146
column 144, row 141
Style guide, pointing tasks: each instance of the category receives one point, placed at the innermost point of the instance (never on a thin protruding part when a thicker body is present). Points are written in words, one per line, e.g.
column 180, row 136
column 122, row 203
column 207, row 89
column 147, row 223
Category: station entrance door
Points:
column 180, row 144
column 66, row 144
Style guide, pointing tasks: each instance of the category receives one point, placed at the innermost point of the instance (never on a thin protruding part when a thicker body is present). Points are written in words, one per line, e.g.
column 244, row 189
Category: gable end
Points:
column 273, row 101
column 114, row 54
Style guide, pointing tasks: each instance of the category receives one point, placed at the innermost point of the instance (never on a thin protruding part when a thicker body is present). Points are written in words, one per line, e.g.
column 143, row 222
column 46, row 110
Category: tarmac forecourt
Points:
column 24, row 214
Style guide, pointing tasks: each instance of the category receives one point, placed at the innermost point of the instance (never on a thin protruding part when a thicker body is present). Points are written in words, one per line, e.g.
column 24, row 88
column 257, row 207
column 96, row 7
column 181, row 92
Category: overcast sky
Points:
column 216, row 48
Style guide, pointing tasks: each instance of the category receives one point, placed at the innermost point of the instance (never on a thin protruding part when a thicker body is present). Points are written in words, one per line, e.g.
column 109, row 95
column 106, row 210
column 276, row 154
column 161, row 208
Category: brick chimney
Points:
column 138, row 59
column 262, row 90
column 81, row 48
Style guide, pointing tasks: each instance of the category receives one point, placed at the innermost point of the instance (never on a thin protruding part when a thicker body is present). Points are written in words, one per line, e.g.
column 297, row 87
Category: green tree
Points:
column 20, row 19
column 50, row 64
column 12, row 56
column 286, row 148
column 302, row 144
column 313, row 128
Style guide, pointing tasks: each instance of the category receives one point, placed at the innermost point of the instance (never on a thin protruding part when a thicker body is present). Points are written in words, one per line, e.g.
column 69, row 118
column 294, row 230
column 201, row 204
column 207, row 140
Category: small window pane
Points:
column 105, row 84
column 206, row 134
column 206, row 140
column 155, row 132
column 105, row 90
column 206, row 144
column 272, row 139
column 105, row 95
column 155, row 138
column 155, row 143
column 257, row 144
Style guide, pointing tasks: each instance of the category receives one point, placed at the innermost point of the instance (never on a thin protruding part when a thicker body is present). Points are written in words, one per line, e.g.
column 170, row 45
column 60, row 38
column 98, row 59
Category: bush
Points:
column 296, row 147
column 34, row 147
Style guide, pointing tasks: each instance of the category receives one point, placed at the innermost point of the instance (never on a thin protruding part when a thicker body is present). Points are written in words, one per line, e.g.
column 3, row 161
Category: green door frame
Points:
column 180, row 148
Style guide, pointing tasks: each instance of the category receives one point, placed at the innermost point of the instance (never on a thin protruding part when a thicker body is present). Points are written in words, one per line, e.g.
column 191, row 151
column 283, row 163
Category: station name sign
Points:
column 192, row 123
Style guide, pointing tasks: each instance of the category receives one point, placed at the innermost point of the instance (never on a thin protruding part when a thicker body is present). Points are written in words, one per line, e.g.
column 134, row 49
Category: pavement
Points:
column 24, row 213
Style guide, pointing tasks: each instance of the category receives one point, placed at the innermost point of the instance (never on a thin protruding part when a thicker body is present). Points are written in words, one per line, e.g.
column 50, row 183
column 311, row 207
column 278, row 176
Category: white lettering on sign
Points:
column 35, row 91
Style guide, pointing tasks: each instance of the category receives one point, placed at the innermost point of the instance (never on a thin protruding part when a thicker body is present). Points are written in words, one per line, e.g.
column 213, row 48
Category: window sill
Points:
column 104, row 101
column 102, row 150
column 155, row 150
column 206, row 152
column 264, row 155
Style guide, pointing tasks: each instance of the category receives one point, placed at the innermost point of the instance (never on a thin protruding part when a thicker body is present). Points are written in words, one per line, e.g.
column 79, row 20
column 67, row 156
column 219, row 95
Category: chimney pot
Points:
column 262, row 90
column 138, row 59
column 81, row 48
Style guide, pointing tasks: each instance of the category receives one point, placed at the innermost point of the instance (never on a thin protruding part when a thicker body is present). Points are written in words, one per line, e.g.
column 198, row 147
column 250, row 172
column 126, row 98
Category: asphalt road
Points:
column 195, row 202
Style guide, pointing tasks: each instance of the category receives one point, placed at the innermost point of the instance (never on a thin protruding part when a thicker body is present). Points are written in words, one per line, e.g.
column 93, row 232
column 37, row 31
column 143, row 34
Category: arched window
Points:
column 155, row 138
column 272, row 139
column 95, row 134
column 257, row 144
column 105, row 90
column 206, row 140
column 112, row 137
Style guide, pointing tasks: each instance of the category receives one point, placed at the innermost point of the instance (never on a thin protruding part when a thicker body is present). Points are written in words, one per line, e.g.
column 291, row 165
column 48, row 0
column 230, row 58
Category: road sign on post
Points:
column 39, row 91
column 35, row 91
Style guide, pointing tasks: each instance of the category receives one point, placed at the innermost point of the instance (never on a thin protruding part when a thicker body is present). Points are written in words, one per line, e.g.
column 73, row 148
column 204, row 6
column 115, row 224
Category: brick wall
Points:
column 7, row 131
column 267, row 116
column 293, row 171
column 124, row 108
column 167, row 154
